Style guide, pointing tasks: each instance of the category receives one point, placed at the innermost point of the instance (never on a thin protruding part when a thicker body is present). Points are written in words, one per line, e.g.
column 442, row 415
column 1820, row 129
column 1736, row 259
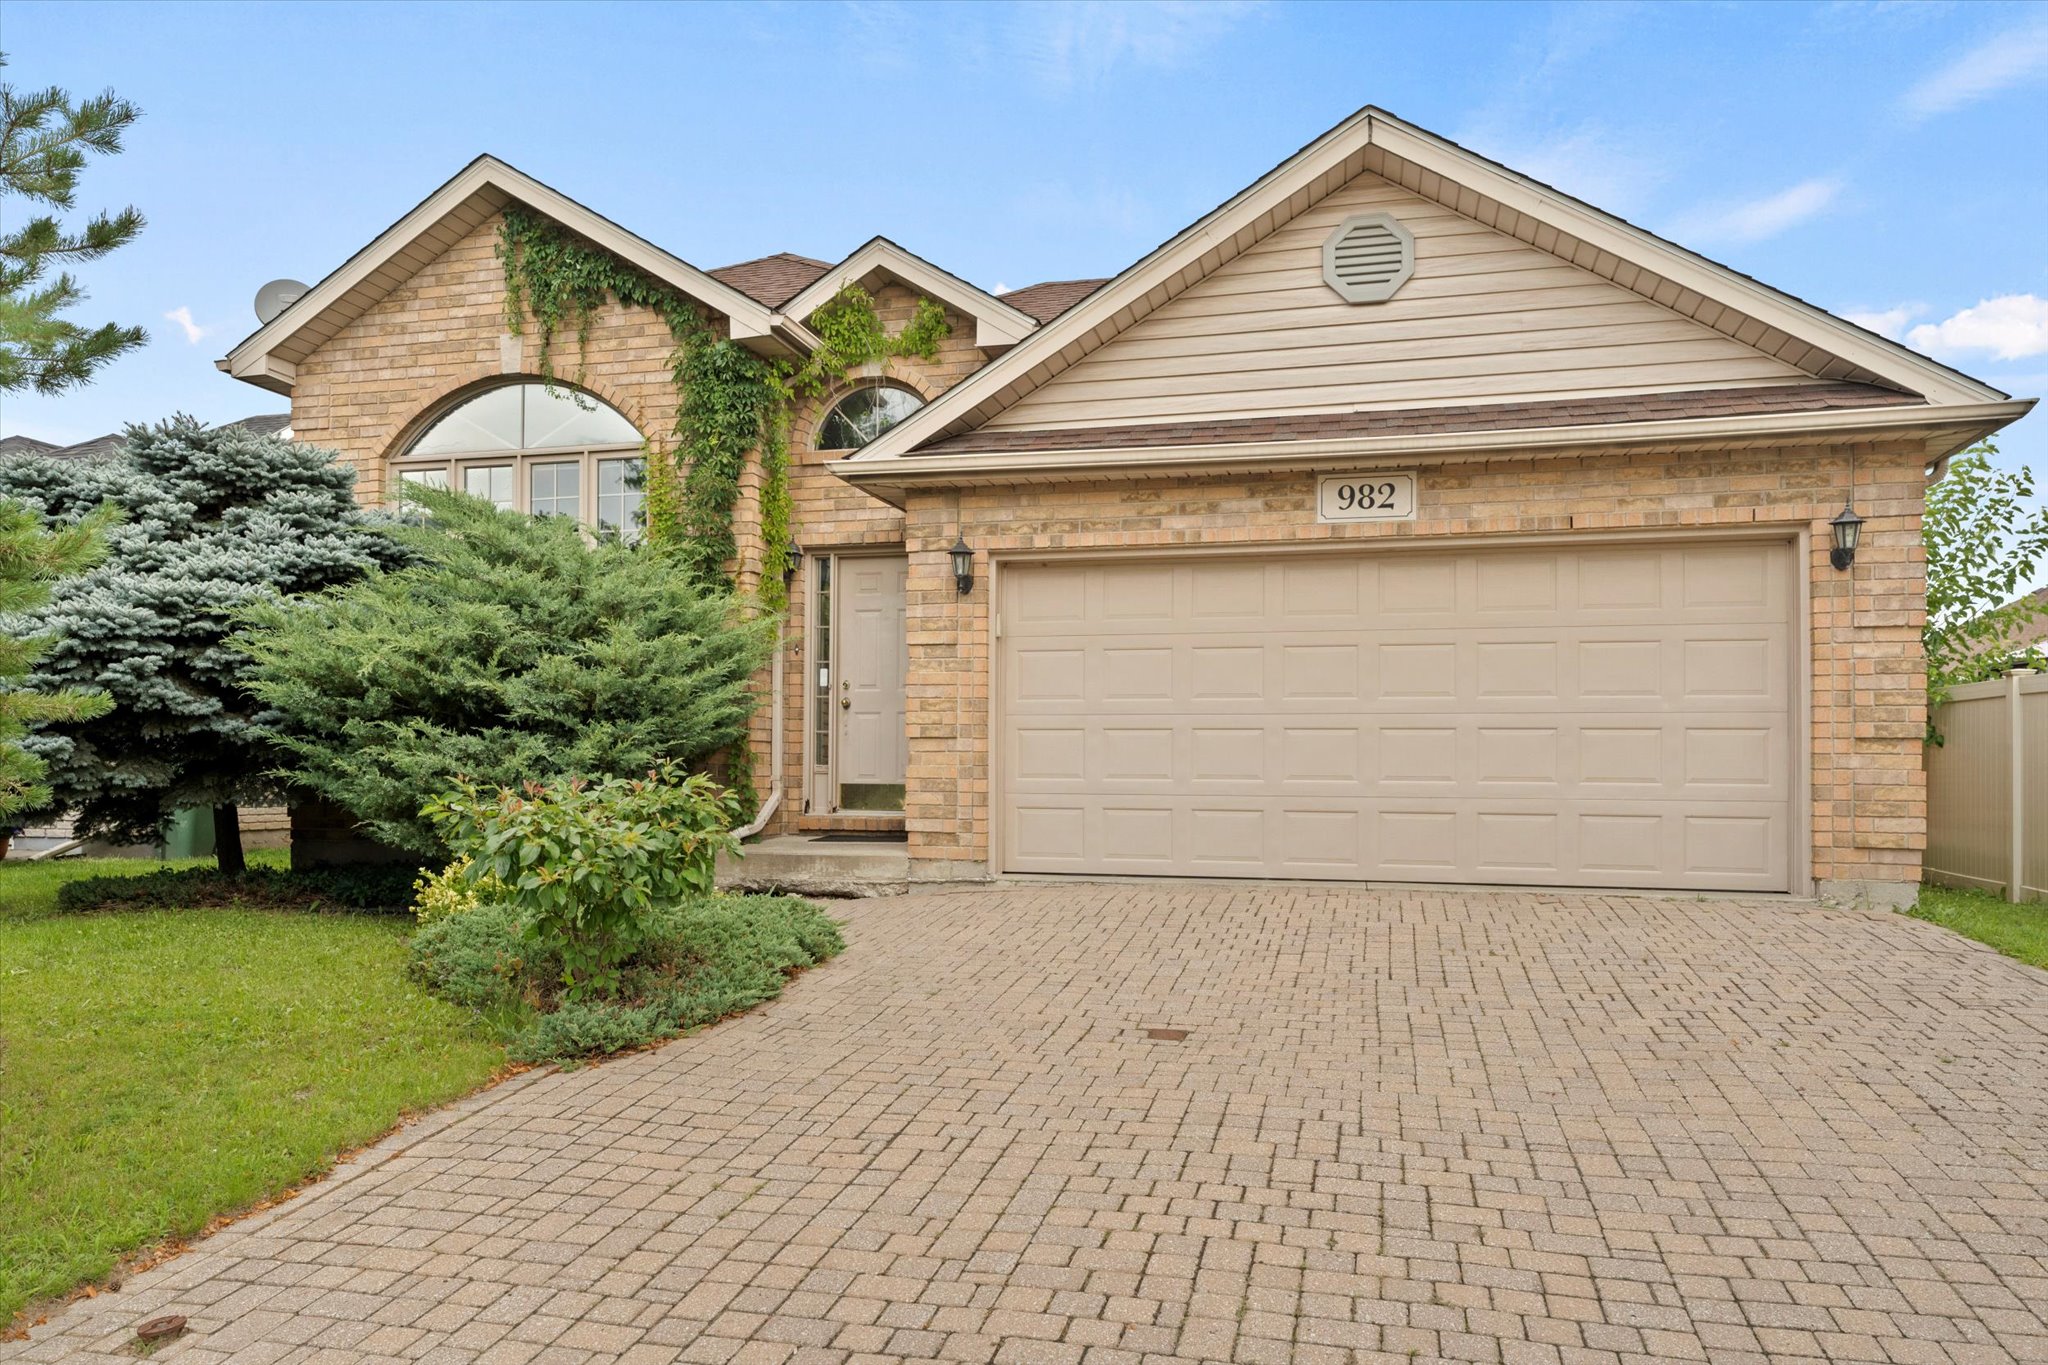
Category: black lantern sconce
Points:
column 793, row 563
column 963, row 566
column 1847, row 529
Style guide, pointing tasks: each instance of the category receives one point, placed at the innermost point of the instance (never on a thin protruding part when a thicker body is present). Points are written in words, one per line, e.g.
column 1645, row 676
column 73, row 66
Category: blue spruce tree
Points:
column 216, row 520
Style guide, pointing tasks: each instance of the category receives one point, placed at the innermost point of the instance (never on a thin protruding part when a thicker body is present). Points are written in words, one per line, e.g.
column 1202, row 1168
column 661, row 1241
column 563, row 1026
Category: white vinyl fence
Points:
column 1987, row 788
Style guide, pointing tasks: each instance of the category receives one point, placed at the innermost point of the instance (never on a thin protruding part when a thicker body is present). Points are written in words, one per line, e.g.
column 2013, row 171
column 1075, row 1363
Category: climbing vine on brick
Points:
column 729, row 401
column 853, row 336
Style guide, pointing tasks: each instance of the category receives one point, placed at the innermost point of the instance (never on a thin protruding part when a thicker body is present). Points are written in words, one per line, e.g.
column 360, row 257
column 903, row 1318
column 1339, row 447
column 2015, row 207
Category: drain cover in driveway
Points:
column 1166, row 1035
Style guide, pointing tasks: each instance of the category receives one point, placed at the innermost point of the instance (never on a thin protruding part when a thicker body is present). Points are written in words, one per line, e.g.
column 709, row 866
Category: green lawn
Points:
column 2019, row 931
column 160, row 1068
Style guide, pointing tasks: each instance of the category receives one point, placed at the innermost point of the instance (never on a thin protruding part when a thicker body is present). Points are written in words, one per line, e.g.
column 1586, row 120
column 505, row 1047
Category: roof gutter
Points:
column 1945, row 428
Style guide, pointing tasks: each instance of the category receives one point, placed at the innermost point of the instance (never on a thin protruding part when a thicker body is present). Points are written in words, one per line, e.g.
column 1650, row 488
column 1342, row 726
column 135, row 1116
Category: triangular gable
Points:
column 1753, row 333
column 1486, row 318
column 997, row 325
column 269, row 357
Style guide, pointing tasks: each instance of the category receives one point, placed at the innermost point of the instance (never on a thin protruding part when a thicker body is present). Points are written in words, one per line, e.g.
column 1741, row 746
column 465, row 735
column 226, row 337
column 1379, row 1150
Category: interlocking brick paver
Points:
column 1404, row 1124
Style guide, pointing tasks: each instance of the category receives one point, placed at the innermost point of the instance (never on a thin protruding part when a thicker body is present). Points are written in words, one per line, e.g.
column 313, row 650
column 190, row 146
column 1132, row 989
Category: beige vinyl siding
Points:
column 1486, row 319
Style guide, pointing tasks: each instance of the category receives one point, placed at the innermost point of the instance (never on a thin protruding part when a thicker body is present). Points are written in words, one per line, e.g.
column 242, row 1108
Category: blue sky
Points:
column 1885, row 161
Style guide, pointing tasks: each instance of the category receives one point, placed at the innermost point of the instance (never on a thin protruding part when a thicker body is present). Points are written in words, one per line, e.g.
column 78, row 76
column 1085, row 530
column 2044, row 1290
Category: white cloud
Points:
column 1590, row 163
column 1758, row 219
column 2000, row 63
column 1071, row 43
column 1886, row 322
column 183, row 317
column 2010, row 326
column 1544, row 70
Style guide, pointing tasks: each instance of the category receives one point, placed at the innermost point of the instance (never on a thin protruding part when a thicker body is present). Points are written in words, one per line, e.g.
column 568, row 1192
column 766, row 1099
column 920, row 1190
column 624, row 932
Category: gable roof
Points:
column 996, row 324
column 771, row 280
column 1373, row 141
column 1050, row 298
column 25, row 445
column 269, row 356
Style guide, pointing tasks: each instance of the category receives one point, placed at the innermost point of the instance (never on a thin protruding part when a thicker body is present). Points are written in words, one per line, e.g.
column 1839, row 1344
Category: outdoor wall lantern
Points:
column 1847, row 528
column 963, row 566
column 794, row 562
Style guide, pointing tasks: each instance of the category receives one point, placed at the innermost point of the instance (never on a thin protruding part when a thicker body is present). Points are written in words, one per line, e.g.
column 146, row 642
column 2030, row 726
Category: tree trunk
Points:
column 227, row 840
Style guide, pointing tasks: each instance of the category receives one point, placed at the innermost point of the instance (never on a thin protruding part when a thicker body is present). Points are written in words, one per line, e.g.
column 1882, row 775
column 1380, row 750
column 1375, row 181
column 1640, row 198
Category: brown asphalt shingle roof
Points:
column 771, row 280
column 1047, row 300
column 2035, row 632
column 1563, row 412
column 775, row 280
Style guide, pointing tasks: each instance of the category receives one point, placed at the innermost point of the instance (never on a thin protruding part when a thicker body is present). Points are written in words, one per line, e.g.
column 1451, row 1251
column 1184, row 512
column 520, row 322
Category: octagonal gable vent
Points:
column 1368, row 257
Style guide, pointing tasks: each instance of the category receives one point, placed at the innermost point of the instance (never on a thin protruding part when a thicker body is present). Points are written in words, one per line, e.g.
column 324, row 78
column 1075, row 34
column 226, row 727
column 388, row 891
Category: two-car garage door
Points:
column 1570, row 717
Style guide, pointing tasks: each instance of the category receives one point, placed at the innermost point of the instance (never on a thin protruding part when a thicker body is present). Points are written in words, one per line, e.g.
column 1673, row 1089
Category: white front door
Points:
column 867, row 681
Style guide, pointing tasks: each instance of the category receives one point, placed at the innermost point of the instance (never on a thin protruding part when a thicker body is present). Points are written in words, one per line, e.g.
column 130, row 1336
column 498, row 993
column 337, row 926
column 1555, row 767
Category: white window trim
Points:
column 586, row 458
column 880, row 382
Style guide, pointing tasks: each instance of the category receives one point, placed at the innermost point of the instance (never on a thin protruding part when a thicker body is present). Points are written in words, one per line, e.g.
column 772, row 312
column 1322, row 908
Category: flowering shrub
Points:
column 586, row 864
column 451, row 891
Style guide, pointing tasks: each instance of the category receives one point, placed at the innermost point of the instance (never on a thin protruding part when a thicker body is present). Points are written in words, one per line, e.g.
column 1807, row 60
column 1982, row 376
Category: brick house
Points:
column 1401, row 519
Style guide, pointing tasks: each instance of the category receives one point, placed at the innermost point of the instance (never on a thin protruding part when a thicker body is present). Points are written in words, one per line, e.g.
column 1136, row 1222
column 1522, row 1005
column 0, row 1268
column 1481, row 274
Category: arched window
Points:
column 863, row 415
column 550, row 451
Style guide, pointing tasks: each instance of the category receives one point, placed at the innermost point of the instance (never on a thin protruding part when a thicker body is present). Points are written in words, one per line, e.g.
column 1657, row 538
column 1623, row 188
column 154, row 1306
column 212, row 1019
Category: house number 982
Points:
column 1365, row 497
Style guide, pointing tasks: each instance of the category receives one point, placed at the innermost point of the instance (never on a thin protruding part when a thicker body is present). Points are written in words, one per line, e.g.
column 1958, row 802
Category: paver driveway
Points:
column 1402, row 1125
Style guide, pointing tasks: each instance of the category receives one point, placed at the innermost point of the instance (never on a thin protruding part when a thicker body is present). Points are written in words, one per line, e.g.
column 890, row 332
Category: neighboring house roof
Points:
column 262, row 424
column 771, row 279
column 1050, row 298
column 2034, row 632
column 1803, row 343
column 996, row 324
column 92, row 449
column 269, row 357
column 265, row 424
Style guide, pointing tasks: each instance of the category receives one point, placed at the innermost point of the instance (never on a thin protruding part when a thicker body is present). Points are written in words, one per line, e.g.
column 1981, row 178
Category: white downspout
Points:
column 774, row 801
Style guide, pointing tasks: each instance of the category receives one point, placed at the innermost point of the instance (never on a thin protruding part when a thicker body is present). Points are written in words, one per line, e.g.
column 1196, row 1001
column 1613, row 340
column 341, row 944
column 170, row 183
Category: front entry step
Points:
column 810, row 865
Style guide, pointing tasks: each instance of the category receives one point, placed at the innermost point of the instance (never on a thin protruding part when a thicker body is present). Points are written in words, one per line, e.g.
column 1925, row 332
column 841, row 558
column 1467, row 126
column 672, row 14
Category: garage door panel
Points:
column 1521, row 668
column 1143, row 596
column 1230, row 590
column 1700, row 757
column 1564, row 843
column 1579, row 717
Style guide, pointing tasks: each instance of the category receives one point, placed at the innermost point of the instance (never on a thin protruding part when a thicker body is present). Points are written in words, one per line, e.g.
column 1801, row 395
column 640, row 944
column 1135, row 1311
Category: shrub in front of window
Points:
column 585, row 864
column 513, row 650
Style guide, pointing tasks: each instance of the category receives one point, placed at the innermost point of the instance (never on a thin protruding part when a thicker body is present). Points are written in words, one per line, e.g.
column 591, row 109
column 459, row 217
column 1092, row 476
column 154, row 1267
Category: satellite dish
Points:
column 275, row 297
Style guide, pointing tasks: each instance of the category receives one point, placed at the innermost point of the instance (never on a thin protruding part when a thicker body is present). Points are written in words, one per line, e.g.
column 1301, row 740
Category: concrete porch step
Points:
column 808, row 865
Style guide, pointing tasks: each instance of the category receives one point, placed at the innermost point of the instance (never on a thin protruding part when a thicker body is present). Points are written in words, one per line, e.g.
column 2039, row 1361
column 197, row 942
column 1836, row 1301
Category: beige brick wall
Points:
column 1869, row 800
column 374, row 385
column 371, row 388
column 830, row 515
